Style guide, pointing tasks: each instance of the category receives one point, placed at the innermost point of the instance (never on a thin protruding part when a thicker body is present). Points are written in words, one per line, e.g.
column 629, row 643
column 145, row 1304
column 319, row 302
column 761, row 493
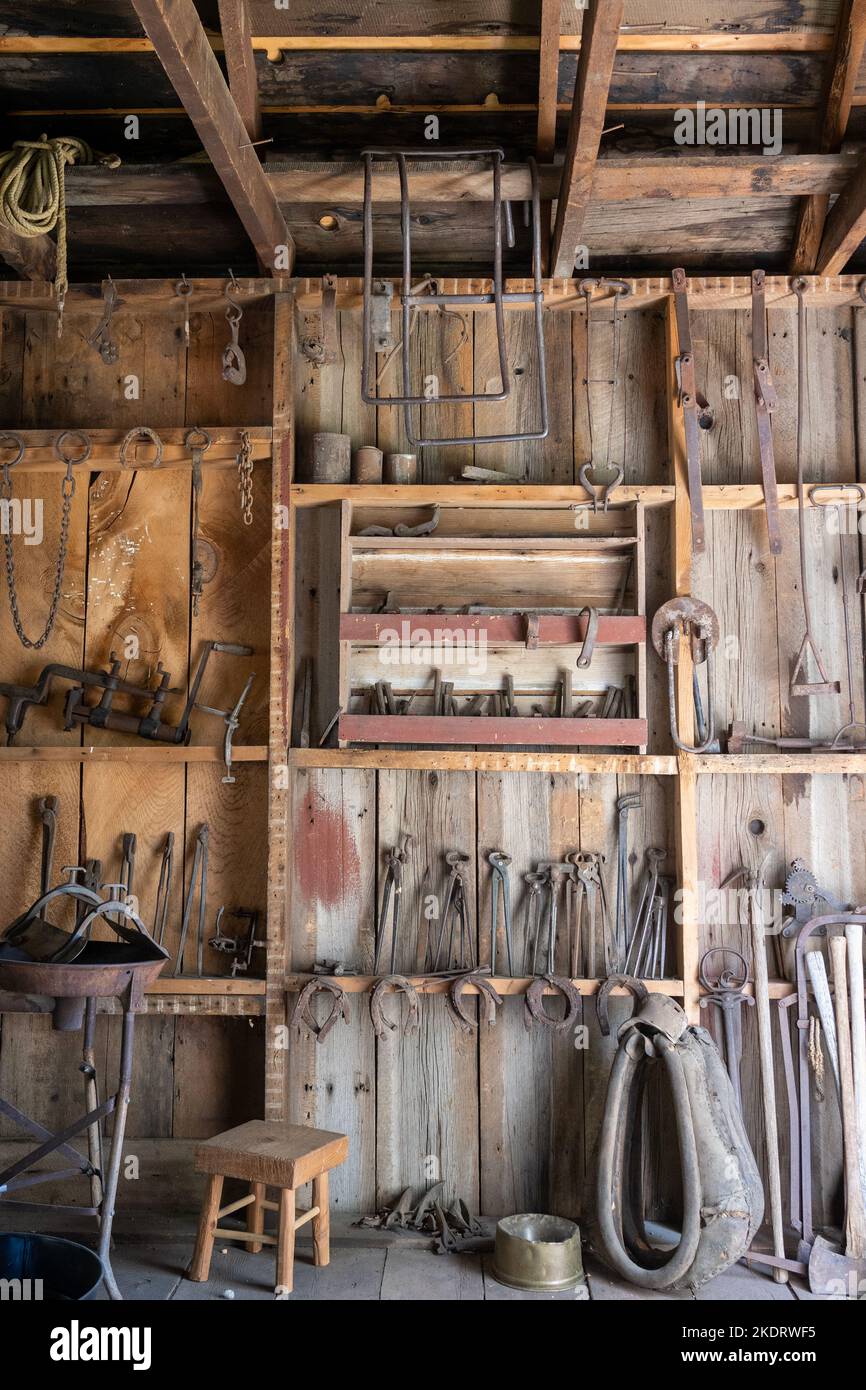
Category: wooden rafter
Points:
column 601, row 24
column 548, row 82
column 845, row 227
column 842, row 76
column 183, row 48
column 241, row 63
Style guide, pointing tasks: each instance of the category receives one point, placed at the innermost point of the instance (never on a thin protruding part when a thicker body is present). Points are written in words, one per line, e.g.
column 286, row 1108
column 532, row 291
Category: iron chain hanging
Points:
column 67, row 494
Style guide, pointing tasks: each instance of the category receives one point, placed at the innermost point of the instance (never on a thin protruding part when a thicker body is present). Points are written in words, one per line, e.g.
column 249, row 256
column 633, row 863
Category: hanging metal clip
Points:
column 689, row 617
column 234, row 362
column 101, row 337
column 606, row 476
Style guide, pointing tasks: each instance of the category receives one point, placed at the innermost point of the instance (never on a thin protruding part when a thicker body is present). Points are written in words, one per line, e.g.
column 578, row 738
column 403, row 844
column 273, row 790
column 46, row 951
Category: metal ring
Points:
column 728, row 980
column 836, row 487
column 85, row 443
column 192, row 436
column 141, row 432
column 799, row 284
column 17, row 440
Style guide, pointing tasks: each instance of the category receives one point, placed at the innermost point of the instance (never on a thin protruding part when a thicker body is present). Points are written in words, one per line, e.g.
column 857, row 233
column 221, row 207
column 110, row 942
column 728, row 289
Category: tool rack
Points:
column 545, row 565
column 320, row 807
column 94, row 766
column 332, row 781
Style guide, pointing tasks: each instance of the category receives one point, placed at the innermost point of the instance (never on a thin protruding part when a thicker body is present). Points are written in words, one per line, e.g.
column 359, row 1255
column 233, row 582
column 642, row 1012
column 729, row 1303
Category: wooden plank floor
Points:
column 396, row 1273
column 151, row 1255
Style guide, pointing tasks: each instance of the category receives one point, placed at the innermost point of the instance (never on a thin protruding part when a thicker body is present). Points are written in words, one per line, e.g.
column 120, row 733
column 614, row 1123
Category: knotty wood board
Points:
column 137, row 566
column 417, row 1141
column 333, row 1084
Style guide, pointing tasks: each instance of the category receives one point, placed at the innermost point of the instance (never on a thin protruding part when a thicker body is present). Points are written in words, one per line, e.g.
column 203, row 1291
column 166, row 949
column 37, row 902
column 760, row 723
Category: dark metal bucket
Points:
column 47, row 1269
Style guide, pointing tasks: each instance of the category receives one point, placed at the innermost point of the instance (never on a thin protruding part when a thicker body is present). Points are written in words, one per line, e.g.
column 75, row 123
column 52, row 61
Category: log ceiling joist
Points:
column 850, row 42
column 786, row 41
column 174, row 28
column 601, row 27
column 614, row 180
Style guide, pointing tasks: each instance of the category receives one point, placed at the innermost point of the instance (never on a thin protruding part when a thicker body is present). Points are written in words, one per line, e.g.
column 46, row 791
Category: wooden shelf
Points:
column 104, row 457
column 425, row 984
column 448, row 760
column 717, row 497
column 145, row 753
column 499, row 629
column 778, row 764
column 445, row 729
column 208, row 984
column 514, row 494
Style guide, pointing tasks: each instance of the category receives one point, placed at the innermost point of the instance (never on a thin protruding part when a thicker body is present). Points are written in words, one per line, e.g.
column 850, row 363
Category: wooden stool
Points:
column 267, row 1153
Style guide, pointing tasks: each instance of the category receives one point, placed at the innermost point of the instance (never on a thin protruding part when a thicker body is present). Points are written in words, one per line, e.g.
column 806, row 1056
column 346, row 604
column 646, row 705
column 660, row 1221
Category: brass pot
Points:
column 538, row 1252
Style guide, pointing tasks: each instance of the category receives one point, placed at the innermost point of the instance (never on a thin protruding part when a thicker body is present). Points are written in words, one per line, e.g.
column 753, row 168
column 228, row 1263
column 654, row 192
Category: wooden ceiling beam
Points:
column 241, row 63
column 848, row 51
column 34, row 258
column 601, row 25
column 615, row 179
column 782, row 41
column 174, row 28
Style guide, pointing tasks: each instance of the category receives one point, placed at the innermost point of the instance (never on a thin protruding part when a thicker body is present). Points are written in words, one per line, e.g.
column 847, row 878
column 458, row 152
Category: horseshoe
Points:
column 382, row 1026
column 140, row 432
column 629, row 982
column 303, row 1012
column 487, row 994
column 535, row 1011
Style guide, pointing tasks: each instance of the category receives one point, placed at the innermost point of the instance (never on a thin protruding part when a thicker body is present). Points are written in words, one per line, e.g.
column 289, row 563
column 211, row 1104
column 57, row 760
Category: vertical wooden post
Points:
column 686, row 787
column 280, row 719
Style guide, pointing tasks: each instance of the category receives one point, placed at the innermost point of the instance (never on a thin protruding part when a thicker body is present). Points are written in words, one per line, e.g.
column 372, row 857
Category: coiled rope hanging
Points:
column 33, row 194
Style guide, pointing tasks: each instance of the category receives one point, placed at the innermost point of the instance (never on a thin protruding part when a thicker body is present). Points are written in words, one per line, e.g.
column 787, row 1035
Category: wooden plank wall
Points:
column 128, row 573
column 509, row 1118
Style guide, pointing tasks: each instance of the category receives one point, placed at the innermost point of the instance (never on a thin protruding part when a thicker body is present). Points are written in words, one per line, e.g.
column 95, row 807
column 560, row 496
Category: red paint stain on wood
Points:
column 326, row 854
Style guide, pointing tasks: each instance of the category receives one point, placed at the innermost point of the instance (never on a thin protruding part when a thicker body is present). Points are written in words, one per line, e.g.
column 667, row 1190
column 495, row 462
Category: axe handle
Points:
column 768, row 1090
column 855, row 1216
column 817, row 971
column 854, row 939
